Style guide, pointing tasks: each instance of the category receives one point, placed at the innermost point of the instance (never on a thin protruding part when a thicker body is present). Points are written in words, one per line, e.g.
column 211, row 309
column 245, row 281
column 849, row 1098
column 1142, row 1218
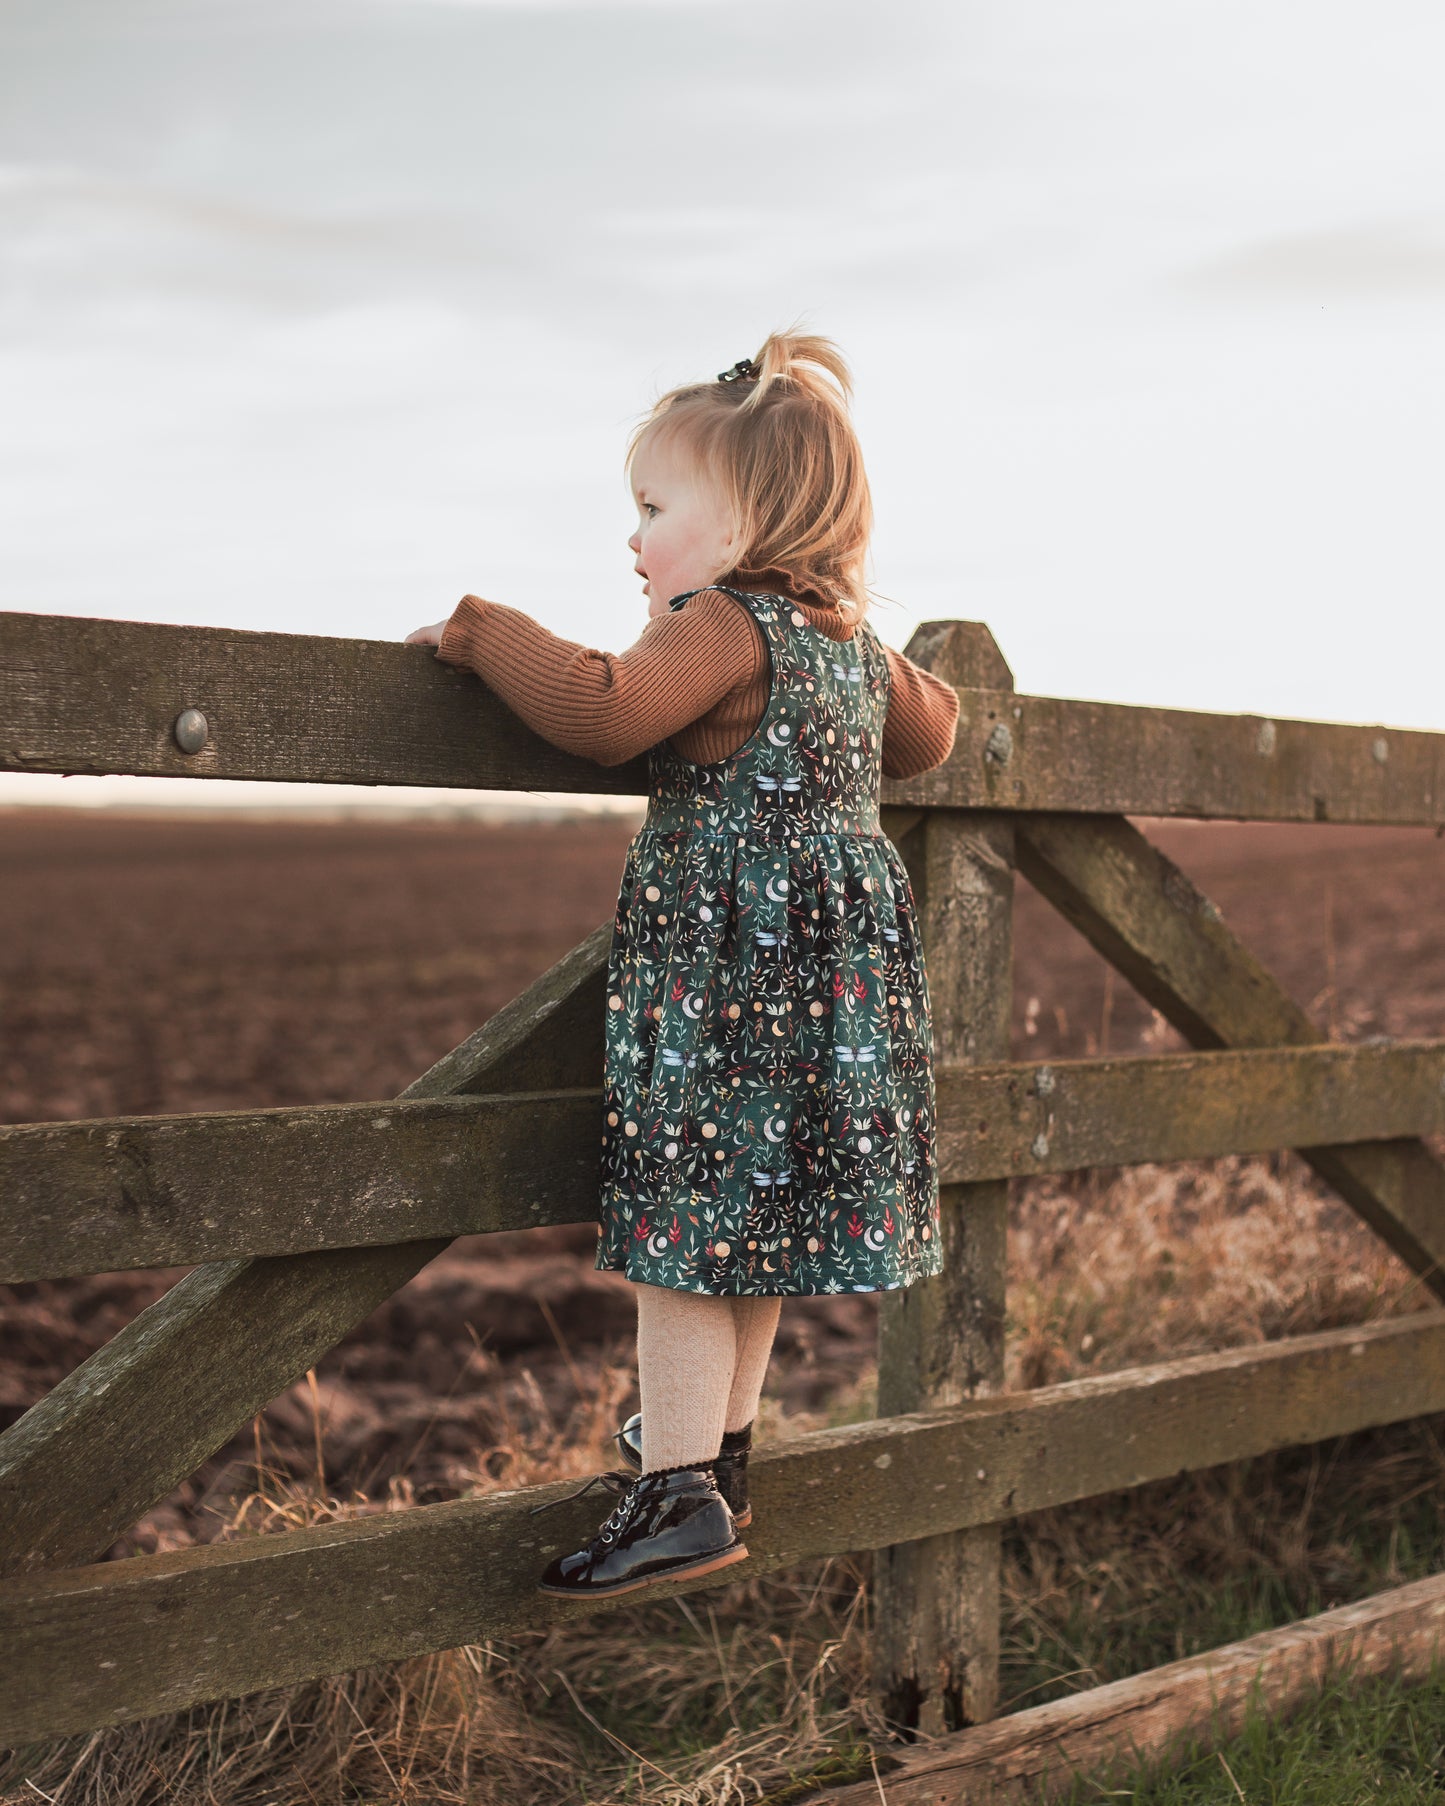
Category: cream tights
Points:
column 700, row 1367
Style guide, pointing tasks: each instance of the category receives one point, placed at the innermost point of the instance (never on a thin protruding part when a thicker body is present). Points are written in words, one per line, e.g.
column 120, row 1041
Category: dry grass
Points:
column 721, row 1698
column 1115, row 1269
column 746, row 1693
column 700, row 1702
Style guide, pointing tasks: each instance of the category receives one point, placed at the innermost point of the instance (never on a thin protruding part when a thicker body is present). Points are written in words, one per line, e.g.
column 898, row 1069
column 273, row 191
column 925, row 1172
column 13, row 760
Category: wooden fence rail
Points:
column 164, row 1191
column 99, row 1645
column 95, row 1453
column 300, row 1221
column 81, row 695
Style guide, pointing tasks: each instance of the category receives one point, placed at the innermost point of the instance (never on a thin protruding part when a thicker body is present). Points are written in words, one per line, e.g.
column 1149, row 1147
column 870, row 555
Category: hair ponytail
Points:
column 812, row 365
column 776, row 435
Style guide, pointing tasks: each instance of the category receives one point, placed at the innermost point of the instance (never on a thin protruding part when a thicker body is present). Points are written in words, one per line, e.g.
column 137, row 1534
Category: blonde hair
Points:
column 781, row 447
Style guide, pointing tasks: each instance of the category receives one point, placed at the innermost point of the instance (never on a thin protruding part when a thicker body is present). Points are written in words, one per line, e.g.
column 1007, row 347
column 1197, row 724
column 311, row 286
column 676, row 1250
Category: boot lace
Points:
column 628, row 1485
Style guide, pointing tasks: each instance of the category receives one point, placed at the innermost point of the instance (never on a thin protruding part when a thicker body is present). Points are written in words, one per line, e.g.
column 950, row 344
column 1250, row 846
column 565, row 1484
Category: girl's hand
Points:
column 426, row 636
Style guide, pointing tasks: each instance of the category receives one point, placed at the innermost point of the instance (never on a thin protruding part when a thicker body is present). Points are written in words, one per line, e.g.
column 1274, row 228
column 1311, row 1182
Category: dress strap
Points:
column 738, row 595
column 766, row 607
column 870, row 646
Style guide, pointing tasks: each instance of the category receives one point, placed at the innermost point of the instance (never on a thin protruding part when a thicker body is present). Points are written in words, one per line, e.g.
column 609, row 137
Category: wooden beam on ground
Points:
column 160, row 1191
column 128, row 1425
column 82, row 695
column 99, row 1645
column 1175, row 948
column 1032, row 753
column 1102, row 1735
column 935, row 1641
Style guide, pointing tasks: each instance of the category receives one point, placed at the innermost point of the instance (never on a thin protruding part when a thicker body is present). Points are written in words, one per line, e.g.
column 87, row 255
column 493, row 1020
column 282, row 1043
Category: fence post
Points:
column 936, row 1624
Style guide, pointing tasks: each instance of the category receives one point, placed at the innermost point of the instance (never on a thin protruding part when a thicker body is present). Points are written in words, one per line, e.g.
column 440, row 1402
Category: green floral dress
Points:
column 769, row 1103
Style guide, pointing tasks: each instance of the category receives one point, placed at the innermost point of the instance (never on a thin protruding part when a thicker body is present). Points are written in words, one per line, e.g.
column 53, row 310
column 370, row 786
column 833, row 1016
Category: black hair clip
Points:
column 743, row 371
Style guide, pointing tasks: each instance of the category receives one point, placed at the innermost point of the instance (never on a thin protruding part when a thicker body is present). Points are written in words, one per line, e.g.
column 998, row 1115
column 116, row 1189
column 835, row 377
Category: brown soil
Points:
column 154, row 964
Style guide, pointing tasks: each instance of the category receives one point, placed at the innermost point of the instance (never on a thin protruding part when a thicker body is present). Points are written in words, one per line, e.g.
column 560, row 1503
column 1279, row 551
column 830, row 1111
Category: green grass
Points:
column 1379, row 1743
column 1108, row 1588
column 1121, row 1585
column 1092, row 1593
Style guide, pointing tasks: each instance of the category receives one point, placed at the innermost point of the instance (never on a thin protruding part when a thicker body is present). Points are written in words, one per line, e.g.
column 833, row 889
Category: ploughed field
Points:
column 158, row 964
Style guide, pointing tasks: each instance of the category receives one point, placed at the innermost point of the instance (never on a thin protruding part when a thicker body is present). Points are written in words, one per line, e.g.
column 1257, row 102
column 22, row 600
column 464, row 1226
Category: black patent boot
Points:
column 730, row 1464
column 667, row 1525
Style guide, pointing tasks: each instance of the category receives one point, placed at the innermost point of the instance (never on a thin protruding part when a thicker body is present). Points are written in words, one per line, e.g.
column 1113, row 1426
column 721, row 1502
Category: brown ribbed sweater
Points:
column 698, row 675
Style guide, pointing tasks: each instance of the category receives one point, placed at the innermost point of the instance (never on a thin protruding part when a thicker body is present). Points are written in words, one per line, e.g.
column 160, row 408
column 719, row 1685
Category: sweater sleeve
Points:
column 922, row 719
column 608, row 706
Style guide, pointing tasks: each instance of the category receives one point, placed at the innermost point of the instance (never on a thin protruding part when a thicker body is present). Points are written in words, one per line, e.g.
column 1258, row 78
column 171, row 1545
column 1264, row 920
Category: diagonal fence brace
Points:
column 129, row 1424
column 1151, row 922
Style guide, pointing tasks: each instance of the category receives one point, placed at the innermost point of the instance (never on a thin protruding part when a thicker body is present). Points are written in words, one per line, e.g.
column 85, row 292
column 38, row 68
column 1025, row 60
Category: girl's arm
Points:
column 922, row 719
column 607, row 706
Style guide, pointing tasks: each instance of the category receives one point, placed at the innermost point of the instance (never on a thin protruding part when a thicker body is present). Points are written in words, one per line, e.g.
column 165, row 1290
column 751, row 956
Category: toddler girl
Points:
column 768, row 1097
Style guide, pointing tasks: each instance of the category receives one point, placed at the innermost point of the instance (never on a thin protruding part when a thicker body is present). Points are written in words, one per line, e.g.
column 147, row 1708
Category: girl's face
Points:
column 684, row 538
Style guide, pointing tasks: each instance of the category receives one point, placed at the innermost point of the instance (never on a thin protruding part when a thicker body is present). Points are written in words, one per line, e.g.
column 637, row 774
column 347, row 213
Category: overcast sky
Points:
column 316, row 315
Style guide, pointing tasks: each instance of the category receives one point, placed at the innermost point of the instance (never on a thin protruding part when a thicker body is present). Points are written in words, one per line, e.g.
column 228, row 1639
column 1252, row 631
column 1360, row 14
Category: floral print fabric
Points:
column 769, row 1103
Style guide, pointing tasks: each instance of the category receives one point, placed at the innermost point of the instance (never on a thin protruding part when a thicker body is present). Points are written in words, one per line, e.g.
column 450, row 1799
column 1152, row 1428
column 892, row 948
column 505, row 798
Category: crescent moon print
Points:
column 769, row 1120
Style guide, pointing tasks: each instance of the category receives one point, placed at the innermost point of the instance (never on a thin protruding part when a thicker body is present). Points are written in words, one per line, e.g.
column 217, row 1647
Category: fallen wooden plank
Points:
column 91, row 1646
column 1174, row 947
column 95, row 1197
column 1104, row 1734
column 129, row 1424
column 80, row 695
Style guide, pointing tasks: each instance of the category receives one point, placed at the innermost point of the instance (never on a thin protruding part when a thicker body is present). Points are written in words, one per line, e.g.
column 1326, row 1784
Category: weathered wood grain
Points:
column 103, row 696
column 162, row 1191
column 1102, row 1734
column 1046, row 753
column 936, row 1602
column 1059, row 1116
column 1174, row 946
column 1160, row 931
column 128, row 1425
column 180, row 1190
column 98, row 1645
column 176, row 1191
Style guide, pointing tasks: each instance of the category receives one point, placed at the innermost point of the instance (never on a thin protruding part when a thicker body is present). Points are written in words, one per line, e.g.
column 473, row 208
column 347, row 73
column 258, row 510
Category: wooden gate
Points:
column 299, row 1222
